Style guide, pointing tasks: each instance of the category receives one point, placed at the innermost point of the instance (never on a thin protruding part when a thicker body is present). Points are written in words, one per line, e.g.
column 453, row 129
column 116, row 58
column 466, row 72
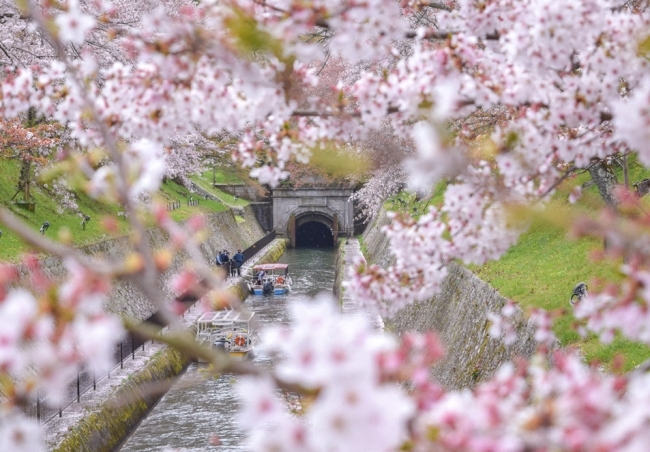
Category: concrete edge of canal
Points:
column 109, row 424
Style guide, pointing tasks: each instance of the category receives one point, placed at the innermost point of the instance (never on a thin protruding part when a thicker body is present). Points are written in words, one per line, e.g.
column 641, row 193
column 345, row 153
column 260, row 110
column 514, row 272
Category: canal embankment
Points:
column 107, row 416
column 348, row 253
column 459, row 315
column 200, row 412
column 152, row 363
column 223, row 230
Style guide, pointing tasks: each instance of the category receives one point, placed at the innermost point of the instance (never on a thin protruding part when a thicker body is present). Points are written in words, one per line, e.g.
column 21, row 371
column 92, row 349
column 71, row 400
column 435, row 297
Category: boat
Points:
column 275, row 279
column 229, row 330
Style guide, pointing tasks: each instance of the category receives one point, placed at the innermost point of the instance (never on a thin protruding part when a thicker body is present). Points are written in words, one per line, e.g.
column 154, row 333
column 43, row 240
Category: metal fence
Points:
column 173, row 205
column 86, row 381
column 254, row 249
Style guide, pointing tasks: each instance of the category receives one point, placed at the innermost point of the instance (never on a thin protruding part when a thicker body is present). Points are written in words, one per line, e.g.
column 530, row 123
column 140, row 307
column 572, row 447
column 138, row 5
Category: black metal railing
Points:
column 261, row 243
column 85, row 381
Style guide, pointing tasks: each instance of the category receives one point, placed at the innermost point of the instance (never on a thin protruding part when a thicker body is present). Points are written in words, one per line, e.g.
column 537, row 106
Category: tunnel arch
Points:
column 315, row 230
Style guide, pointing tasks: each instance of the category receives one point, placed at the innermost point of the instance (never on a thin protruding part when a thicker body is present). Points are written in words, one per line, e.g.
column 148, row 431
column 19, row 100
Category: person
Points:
column 260, row 276
column 580, row 292
column 225, row 260
column 268, row 286
column 238, row 260
column 219, row 259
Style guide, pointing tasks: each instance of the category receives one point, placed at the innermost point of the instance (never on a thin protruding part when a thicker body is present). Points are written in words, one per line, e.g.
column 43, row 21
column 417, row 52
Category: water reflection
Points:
column 197, row 410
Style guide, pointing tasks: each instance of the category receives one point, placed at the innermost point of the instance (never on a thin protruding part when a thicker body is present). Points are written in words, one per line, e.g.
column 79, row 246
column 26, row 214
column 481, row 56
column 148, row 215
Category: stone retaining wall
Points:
column 106, row 427
column 458, row 314
column 223, row 232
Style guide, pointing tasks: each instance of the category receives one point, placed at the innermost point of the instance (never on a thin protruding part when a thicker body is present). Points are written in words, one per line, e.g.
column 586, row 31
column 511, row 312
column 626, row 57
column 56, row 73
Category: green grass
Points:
column 415, row 205
column 66, row 225
column 62, row 224
column 544, row 266
column 220, row 177
column 170, row 191
column 204, row 181
column 541, row 271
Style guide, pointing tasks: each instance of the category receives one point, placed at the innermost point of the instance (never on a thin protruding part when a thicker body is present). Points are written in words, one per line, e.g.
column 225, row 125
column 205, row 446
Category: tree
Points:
column 563, row 84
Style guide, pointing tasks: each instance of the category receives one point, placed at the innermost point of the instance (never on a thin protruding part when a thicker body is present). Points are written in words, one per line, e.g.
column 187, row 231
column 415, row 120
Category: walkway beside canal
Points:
column 351, row 251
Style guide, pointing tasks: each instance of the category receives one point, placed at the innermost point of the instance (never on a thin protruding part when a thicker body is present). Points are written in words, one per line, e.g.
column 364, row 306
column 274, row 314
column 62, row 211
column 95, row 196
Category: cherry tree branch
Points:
column 2, row 47
column 329, row 114
column 436, row 34
column 220, row 361
column 147, row 281
column 436, row 5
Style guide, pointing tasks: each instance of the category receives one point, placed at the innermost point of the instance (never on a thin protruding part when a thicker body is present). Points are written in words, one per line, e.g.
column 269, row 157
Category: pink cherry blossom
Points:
column 73, row 24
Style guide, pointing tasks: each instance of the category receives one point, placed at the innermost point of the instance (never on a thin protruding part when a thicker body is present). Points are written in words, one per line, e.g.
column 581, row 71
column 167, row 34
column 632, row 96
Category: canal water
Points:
column 198, row 413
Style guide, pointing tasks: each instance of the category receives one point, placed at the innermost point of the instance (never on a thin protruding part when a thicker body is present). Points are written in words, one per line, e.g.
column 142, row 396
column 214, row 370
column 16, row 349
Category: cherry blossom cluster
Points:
column 525, row 406
column 385, row 182
column 564, row 88
column 534, row 407
column 143, row 82
column 353, row 381
column 46, row 337
column 478, row 231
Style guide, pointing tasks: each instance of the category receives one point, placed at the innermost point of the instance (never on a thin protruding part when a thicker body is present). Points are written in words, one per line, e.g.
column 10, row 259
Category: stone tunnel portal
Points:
column 313, row 216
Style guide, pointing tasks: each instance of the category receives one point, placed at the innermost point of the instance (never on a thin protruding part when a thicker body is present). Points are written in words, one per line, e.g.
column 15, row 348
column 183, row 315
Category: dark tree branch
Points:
column 329, row 114
column 435, row 34
column 436, row 5
column 2, row 47
column 566, row 174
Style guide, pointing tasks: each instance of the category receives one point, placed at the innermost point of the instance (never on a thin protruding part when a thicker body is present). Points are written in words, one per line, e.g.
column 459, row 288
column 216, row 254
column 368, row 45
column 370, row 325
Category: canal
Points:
column 198, row 413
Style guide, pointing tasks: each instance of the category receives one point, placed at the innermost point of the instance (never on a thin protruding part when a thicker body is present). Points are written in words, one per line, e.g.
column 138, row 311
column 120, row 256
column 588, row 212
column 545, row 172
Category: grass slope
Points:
column 544, row 266
column 204, row 180
column 66, row 225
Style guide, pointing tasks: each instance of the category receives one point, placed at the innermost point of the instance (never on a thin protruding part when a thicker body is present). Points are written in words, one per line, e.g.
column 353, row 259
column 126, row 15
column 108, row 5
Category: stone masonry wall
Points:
column 223, row 232
column 459, row 315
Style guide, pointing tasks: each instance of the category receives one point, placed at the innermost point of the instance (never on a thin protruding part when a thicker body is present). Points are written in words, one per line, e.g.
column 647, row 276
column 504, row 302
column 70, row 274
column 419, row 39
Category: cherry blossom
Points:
column 500, row 98
column 20, row 433
column 73, row 24
column 352, row 398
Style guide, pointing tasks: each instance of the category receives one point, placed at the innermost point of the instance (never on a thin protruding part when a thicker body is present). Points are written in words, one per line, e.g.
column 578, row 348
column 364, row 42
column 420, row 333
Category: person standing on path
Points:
column 238, row 260
column 227, row 263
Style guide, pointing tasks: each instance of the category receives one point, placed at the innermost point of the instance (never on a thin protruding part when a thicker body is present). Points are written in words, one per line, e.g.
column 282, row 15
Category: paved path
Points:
column 352, row 250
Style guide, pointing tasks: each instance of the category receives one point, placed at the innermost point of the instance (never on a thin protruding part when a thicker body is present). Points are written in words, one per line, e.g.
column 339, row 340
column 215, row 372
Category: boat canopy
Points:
column 226, row 317
column 271, row 267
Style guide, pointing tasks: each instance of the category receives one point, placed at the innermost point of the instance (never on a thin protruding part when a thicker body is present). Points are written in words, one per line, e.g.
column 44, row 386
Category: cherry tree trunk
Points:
column 24, row 180
column 605, row 179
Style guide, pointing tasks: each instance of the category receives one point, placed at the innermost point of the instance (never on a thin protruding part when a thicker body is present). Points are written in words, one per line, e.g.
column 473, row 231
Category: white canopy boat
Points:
column 228, row 330
column 270, row 279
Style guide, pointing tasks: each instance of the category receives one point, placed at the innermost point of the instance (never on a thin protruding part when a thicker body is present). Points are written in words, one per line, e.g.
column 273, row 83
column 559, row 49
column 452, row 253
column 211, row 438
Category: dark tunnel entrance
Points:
column 314, row 234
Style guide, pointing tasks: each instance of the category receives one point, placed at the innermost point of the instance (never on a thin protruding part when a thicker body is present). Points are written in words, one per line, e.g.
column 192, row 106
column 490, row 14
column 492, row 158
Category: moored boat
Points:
column 228, row 330
column 270, row 279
